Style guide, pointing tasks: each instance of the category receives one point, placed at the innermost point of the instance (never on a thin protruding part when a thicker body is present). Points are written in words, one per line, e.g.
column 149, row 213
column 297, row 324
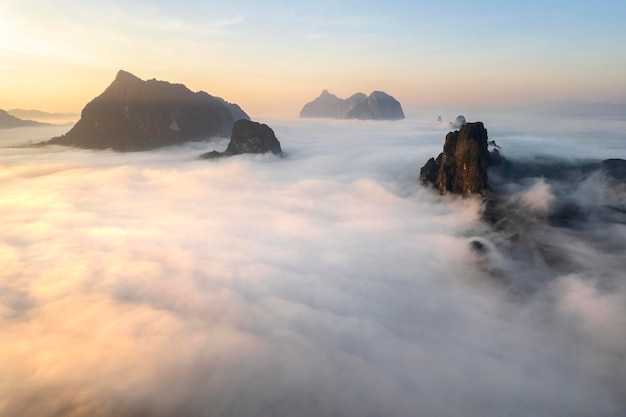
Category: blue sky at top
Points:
column 424, row 51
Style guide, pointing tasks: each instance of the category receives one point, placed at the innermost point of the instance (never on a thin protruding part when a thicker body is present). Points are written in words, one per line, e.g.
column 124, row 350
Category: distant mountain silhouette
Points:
column 378, row 106
column 7, row 121
column 42, row 116
column 134, row 115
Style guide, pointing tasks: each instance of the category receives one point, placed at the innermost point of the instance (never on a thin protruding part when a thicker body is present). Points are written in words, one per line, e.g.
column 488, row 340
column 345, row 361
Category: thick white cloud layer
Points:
column 327, row 283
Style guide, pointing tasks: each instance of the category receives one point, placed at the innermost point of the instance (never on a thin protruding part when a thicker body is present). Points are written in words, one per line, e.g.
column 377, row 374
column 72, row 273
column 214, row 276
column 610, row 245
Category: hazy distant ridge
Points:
column 39, row 115
column 8, row 121
column 378, row 106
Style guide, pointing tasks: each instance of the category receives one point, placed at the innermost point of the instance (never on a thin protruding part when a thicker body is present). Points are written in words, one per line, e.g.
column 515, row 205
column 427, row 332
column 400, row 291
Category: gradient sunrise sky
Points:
column 271, row 57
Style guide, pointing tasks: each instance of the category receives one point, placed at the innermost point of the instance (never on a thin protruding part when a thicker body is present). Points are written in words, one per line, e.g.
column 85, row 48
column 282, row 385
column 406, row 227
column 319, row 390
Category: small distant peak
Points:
column 324, row 93
column 125, row 75
column 459, row 122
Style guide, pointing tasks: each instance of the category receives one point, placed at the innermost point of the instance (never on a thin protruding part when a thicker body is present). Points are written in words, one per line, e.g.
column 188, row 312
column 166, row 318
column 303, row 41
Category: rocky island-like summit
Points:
column 462, row 166
column 135, row 115
column 377, row 106
column 248, row 137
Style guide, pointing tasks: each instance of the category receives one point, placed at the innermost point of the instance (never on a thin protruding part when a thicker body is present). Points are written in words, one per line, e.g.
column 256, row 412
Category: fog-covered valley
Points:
column 329, row 282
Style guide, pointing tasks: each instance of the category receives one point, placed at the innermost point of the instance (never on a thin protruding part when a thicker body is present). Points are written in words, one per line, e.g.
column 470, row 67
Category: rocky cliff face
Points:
column 249, row 137
column 378, row 106
column 134, row 115
column 462, row 169
column 462, row 166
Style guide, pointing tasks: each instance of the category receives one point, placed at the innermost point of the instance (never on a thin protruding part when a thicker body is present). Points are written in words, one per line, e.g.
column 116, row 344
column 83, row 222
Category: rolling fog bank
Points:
column 325, row 283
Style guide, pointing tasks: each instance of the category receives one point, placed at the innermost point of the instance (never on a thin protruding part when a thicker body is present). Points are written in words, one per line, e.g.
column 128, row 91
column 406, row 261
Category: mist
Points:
column 325, row 283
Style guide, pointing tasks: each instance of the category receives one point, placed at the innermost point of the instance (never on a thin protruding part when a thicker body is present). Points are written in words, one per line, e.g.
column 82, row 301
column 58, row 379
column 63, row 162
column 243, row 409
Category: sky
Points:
column 272, row 57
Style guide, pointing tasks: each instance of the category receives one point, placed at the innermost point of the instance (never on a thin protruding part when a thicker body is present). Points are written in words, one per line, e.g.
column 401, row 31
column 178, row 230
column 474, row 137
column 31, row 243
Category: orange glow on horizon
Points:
column 55, row 89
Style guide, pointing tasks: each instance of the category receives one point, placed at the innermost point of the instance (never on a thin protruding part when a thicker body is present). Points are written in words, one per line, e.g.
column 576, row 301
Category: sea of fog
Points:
column 325, row 283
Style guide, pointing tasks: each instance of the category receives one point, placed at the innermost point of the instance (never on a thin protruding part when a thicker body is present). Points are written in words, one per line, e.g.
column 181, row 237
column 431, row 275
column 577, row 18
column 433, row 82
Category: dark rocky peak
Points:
column 462, row 166
column 248, row 137
column 125, row 76
column 252, row 137
column 128, row 87
column 134, row 115
column 125, row 85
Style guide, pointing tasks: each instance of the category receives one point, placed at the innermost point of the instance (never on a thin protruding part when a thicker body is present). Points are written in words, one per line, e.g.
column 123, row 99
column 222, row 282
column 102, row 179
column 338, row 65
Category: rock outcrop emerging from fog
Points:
column 135, row 115
column 462, row 166
column 248, row 137
column 458, row 122
column 378, row 106
column 8, row 121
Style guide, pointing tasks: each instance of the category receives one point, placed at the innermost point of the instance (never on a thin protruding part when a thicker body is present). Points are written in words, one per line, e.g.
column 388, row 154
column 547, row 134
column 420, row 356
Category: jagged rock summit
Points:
column 248, row 137
column 378, row 106
column 135, row 115
column 462, row 166
column 8, row 121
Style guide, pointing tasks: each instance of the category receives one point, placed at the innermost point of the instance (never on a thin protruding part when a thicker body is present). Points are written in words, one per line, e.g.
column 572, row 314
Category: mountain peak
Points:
column 133, row 115
column 125, row 75
column 378, row 106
